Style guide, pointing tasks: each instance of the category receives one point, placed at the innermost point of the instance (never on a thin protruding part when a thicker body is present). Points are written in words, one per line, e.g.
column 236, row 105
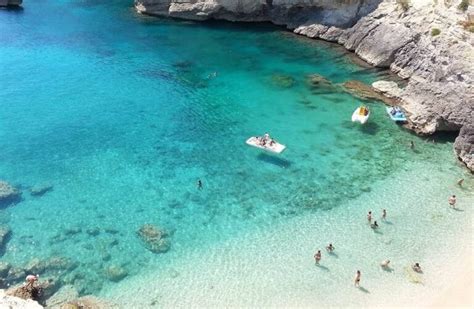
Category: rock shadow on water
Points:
column 283, row 163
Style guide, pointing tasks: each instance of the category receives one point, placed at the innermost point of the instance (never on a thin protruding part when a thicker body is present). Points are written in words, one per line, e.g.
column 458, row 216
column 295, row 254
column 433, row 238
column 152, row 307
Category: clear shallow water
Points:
column 116, row 111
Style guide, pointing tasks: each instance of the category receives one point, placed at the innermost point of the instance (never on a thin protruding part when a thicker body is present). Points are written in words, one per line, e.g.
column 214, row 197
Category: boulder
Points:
column 155, row 239
column 8, row 193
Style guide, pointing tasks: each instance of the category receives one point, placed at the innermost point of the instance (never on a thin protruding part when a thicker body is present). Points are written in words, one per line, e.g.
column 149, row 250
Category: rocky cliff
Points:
column 10, row 2
column 7, row 301
column 427, row 42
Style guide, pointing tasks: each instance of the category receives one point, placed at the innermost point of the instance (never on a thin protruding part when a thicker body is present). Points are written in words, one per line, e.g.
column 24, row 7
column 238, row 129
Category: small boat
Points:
column 265, row 143
column 361, row 114
column 396, row 114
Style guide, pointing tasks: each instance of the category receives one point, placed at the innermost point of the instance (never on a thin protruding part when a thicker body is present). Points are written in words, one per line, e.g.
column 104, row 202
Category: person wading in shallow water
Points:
column 357, row 279
column 199, row 184
column 317, row 257
column 452, row 201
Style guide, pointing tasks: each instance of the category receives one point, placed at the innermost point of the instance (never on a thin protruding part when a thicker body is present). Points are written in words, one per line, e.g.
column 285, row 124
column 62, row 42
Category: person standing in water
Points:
column 330, row 248
column 369, row 217
column 317, row 257
column 412, row 145
column 452, row 201
column 357, row 279
column 384, row 214
column 199, row 184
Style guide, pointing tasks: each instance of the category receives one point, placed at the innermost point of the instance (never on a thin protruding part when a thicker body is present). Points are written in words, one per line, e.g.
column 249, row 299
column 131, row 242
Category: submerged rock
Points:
column 5, row 234
column 155, row 239
column 115, row 273
column 283, row 81
column 4, row 268
column 88, row 302
column 65, row 294
column 39, row 190
column 8, row 193
column 365, row 92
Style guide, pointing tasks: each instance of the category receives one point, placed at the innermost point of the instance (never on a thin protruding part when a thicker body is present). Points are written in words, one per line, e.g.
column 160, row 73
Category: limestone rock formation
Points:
column 155, row 239
column 282, row 12
column 388, row 88
column 464, row 146
column 8, row 301
column 10, row 2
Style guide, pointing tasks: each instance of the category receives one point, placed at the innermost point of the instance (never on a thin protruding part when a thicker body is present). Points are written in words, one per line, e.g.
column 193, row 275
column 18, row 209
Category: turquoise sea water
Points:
column 117, row 112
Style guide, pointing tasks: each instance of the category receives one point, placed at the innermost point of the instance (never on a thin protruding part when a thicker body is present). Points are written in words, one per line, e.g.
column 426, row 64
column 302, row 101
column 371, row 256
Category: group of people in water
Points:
column 385, row 264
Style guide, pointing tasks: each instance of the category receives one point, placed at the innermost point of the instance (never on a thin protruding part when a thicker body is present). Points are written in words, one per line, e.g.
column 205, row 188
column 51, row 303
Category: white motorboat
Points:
column 361, row 114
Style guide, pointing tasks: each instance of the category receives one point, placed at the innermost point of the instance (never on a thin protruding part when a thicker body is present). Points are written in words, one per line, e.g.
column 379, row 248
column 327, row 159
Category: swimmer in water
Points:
column 412, row 145
column 199, row 184
column 369, row 216
column 384, row 214
column 317, row 257
column 330, row 248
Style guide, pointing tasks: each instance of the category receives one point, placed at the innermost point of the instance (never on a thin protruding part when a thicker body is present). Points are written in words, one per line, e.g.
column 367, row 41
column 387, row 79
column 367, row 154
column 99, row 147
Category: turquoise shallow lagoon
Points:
column 118, row 113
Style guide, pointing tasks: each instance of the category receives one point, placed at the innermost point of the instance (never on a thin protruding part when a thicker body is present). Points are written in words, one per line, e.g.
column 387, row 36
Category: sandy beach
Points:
column 460, row 293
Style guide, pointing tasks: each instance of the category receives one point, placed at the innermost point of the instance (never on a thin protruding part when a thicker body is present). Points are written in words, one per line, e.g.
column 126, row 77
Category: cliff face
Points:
column 423, row 41
column 292, row 13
